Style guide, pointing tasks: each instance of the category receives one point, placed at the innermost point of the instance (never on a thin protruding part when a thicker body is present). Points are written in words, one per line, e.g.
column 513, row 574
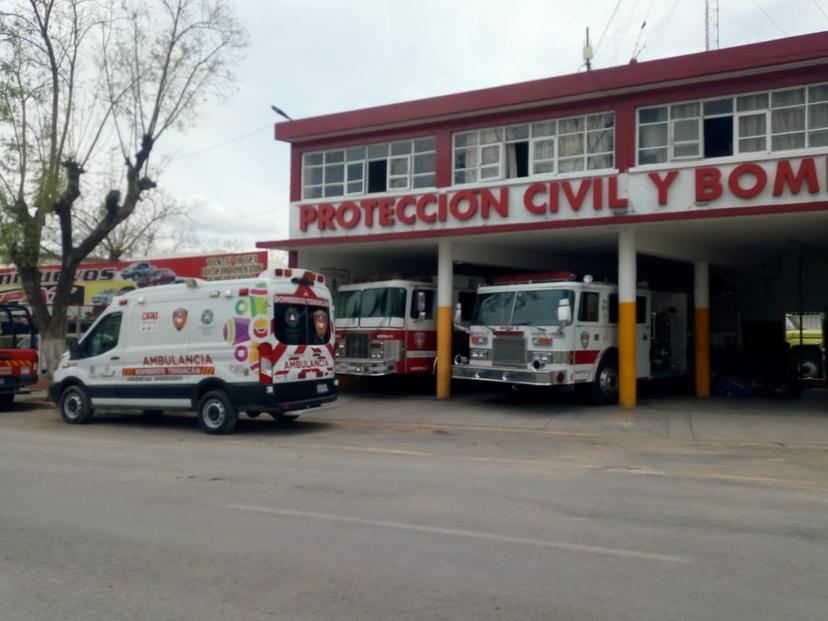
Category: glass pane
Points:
column 355, row 153
column 488, row 136
column 818, row 116
column 600, row 121
column 543, row 167
column 788, row 120
column 464, row 140
column 571, row 165
column 398, row 183
column 652, row 135
column 718, row 106
column 684, row 131
column 334, row 190
column 571, row 126
column 544, row 150
column 544, row 129
column 652, row 156
column 376, row 151
column 465, row 176
column 818, row 93
column 334, row 157
column 539, row 308
column 600, row 142
column 401, row 148
column 313, row 176
column 424, row 181
column 599, row 162
column 490, row 172
column 818, row 139
column 752, row 125
column 424, row 163
column 465, row 158
column 521, row 132
column 355, row 187
column 684, row 111
column 399, row 166
column 313, row 159
column 788, row 98
column 334, row 174
column 689, row 149
column 752, row 102
column 572, row 144
column 490, row 155
column 652, row 115
column 789, row 141
column 313, row 192
column 354, row 171
column 749, row 145
column 423, row 144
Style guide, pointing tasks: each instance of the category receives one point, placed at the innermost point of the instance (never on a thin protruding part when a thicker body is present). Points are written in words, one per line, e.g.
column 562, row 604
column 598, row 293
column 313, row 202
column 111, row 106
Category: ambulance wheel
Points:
column 216, row 413
column 74, row 406
column 605, row 386
column 6, row 400
column 253, row 414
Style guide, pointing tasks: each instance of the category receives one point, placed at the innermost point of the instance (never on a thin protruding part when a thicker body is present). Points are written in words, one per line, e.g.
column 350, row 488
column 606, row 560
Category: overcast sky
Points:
column 325, row 56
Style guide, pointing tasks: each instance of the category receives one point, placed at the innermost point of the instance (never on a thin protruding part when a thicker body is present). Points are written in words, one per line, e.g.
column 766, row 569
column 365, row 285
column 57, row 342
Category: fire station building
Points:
column 705, row 173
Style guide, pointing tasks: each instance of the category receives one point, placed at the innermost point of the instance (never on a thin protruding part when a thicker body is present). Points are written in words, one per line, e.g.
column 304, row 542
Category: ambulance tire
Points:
column 216, row 413
column 605, row 386
column 75, row 407
column 6, row 400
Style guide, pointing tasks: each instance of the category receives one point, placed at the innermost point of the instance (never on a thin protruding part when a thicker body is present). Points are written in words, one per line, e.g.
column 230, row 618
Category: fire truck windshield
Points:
column 384, row 302
column 348, row 304
column 535, row 307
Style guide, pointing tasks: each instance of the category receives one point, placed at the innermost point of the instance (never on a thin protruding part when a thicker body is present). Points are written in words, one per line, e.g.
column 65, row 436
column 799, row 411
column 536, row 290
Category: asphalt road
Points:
column 341, row 518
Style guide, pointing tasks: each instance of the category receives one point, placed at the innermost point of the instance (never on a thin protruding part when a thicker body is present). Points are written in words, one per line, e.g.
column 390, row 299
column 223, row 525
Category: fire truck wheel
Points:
column 6, row 400
column 74, row 406
column 605, row 386
column 216, row 413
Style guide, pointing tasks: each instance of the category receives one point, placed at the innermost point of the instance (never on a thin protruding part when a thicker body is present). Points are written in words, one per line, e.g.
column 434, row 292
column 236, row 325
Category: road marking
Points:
column 470, row 534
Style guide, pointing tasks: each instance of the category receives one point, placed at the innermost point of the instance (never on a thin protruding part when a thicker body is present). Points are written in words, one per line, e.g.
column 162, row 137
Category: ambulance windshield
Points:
column 301, row 324
column 535, row 307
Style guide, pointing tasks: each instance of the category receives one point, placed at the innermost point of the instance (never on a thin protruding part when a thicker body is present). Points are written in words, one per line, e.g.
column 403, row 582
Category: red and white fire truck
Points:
column 18, row 352
column 552, row 329
column 390, row 326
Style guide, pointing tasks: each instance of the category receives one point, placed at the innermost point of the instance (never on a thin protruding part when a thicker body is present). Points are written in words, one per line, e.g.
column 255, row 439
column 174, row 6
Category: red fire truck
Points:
column 552, row 329
column 390, row 326
column 18, row 352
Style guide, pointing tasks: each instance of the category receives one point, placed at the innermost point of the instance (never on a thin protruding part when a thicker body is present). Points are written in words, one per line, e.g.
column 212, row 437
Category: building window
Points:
column 781, row 120
column 556, row 146
column 394, row 166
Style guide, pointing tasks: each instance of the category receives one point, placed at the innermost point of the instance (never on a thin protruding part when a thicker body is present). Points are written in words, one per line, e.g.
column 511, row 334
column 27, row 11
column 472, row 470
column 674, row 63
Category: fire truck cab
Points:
column 18, row 352
column 554, row 330
column 389, row 327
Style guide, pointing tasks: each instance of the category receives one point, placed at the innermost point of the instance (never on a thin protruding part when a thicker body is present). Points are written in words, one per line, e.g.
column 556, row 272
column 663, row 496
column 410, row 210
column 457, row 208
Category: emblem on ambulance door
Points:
column 584, row 339
column 206, row 317
column 320, row 323
column 179, row 318
column 292, row 317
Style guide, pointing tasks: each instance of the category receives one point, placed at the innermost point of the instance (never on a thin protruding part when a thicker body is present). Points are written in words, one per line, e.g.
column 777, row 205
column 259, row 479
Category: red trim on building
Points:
column 727, row 212
column 707, row 66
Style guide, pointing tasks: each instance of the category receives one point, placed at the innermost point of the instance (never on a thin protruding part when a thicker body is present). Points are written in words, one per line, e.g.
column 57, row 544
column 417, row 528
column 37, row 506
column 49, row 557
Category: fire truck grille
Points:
column 357, row 346
column 509, row 350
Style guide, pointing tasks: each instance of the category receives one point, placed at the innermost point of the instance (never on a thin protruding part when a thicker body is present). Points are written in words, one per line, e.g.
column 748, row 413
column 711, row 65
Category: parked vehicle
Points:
column 807, row 345
column 18, row 352
column 136, row 270
column 553, row 330
column 258, row 345
column 389, row 327
column 104, row 297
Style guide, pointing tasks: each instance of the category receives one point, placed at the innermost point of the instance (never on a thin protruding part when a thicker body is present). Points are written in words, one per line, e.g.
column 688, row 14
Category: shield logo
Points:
column 419, row 339
column 292, row 317
column 584, row 339
column 320, row 323
column 179, row 318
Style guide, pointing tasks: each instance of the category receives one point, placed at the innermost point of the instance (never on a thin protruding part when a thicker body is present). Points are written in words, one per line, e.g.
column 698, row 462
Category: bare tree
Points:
column 75, row 77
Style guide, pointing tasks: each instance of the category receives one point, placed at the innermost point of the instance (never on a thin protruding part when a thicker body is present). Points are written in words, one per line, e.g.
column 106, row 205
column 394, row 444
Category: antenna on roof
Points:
column 587, row 52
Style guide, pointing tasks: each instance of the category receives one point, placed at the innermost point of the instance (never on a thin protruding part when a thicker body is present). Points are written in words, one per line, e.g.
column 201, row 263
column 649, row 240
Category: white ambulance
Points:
column 552, row 329
column 257, row 345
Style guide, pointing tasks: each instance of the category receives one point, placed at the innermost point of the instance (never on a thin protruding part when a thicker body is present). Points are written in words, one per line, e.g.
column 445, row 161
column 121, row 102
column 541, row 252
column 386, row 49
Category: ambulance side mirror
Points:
column 74, row 349
column 564, row 313
column 421, row 305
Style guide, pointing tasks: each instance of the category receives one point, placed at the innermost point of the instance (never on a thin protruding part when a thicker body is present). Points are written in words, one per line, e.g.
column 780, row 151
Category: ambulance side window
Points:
column 429, row 303
column 103, row 337
column 589, row 308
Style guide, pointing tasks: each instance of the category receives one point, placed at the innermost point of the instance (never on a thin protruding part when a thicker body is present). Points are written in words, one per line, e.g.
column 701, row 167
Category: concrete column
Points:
column 626, row 318
column 445, row 286
column 701, row 328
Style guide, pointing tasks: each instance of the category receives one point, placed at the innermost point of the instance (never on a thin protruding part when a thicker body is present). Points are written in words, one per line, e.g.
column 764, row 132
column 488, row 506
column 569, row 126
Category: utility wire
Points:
column 612, row 16
column 222, row 144
column 772, row 21
column 821, row 10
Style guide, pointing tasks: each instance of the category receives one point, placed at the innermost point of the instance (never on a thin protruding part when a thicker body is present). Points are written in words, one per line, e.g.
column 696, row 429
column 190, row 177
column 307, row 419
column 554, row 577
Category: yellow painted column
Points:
column 445, row 286
column 701, row 328
column 626, row 319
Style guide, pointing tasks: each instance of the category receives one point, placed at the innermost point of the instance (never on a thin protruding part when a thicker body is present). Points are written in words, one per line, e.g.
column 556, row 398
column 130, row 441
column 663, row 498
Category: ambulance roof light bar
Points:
column 526, row 279
column 306, row 276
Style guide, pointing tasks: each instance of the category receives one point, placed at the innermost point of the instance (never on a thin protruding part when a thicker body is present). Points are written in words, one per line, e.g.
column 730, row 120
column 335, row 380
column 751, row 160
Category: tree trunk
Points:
column 53, row 344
